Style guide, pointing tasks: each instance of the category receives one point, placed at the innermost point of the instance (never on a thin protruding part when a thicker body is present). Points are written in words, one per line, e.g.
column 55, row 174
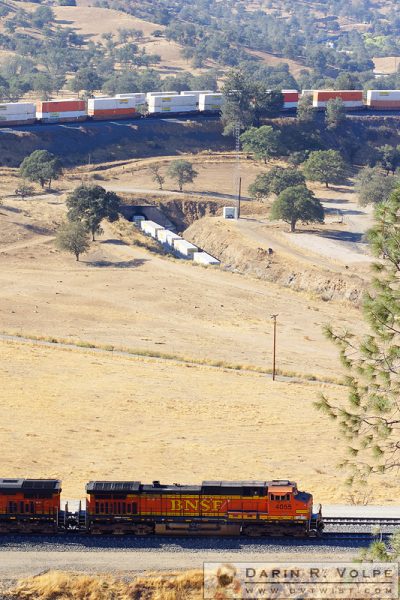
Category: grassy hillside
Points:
column 113, row 45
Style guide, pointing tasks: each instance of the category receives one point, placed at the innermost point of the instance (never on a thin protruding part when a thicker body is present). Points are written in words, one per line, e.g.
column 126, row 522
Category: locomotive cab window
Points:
column 280, row 497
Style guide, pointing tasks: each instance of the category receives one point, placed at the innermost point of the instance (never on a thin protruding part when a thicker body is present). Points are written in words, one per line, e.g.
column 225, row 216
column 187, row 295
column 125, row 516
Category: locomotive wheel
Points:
column 254, row 531
column 142, row 529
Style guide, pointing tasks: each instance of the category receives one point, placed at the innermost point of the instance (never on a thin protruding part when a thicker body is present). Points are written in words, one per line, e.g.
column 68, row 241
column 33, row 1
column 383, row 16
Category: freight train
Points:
column 247, row 508
column 141, row 105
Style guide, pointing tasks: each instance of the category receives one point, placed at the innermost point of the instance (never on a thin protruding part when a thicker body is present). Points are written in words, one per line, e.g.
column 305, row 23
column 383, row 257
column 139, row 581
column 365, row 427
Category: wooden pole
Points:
column 274, row 350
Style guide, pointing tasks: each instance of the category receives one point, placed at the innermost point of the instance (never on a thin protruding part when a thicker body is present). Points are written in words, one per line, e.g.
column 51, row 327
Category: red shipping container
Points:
column 61, row 106
column 114, row 113
column 385, row 104
column 290, row 96
column 350, row 95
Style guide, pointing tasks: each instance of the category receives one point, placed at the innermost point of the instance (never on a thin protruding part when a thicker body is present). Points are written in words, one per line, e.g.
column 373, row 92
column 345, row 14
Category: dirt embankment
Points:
column 185, row 212
column 107, row 141
column 240, row 254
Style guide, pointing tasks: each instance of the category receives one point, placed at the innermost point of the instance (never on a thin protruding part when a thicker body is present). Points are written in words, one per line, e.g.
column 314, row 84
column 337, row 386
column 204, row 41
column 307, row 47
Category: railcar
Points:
column 29, row 505
column 174, row 104
column 250, row 508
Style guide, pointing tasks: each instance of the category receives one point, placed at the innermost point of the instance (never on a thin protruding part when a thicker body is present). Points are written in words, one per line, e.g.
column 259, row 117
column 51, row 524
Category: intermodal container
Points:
column 205, row 259
column 59, row 106
column 170, row 237
column 351, row 98
column 383, row 99
column 62, row 117
column 173, row 104
column 20, row 119
column 139, row 97
column 101, row 109
column 150, row 227
column 162, row 235
column 290, row 98
column 16, row 108
column 210, row 102
column 155, row 94
column 185, row 248
column 196, row 93
column 114, row 113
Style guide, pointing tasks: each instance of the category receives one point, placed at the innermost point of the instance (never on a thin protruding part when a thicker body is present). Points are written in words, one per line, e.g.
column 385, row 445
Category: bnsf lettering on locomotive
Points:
column 194, row 504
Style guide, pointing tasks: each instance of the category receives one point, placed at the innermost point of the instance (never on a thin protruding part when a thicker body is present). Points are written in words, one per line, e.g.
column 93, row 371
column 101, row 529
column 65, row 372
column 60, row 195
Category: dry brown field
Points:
column 81, row 414
column 387, row 64
column 91, row 22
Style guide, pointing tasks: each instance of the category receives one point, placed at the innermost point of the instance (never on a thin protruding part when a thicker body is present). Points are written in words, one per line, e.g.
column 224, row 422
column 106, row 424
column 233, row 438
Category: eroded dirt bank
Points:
column 239, row 253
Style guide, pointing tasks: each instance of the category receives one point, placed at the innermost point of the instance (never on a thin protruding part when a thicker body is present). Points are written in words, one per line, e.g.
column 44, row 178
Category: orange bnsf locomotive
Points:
column 249, row 508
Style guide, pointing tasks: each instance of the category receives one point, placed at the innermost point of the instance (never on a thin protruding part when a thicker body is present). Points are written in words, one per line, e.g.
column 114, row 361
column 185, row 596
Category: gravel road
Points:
column 21, row 555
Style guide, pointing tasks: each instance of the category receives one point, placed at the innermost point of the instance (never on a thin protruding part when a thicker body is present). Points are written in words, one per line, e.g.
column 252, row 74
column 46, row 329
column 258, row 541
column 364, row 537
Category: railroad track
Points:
column 362, row 521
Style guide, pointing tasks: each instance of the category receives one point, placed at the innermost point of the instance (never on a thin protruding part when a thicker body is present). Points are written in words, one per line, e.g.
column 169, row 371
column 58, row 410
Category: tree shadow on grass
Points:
column 333, row 234
column 37, row 229
column 11, row 209
column 123, row 264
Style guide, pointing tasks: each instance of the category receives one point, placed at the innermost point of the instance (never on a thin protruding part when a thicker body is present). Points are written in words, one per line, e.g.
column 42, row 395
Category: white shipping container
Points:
column 383, row 95
column 205, row 259
column 162, row 235
column 346, row 104
column 196, row 93
column 210, row 101
column 19, row 117
column 171, row 236
column 185, row 248
column 150, row 227
column 174, row 110
column 110, row 103
column 173, row 100
column 154, row 94
column 139, row 97
column 16, row 108
column 188, row 104
column 70, row 114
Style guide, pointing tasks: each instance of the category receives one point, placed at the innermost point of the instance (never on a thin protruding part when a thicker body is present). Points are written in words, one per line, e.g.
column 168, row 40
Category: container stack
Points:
column 205, row 259
column 174, row 104
column 210, row 102
column 102, row 109
column 383, row 99
column 17, row 113
column 61, row 111
column 352, row 99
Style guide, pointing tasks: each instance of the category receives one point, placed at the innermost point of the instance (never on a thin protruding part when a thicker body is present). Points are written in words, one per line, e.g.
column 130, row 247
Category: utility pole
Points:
column 238, row 179
column 274, row 349
column 239, row 196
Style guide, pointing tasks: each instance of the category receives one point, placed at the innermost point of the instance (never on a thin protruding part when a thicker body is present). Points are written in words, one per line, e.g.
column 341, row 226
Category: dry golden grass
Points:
column 81, row 415
column 270, row 60
column 387, row 64
column 57, row 585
